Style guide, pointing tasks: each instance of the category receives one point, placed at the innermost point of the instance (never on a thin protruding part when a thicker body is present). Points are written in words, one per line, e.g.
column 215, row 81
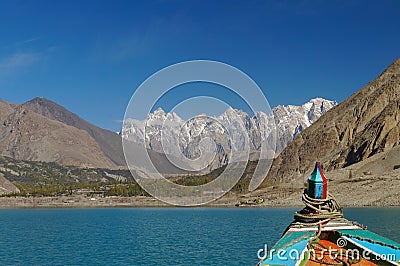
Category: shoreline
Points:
column 64, row 202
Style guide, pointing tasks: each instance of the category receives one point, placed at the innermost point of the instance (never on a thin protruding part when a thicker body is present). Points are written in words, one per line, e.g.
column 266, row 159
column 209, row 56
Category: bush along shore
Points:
column 51, row 185
column 41, row 184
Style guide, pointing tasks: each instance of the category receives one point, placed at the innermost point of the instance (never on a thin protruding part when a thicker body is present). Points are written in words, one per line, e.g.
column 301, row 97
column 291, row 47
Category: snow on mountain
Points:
column 291, row 120
column 168, row 133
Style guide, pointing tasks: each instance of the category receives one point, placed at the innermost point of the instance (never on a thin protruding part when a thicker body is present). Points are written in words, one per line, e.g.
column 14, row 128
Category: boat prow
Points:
column 320, row 235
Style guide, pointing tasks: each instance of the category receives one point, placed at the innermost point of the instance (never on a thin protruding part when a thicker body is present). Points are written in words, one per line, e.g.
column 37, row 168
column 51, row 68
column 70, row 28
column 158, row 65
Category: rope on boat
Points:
column 318, row 211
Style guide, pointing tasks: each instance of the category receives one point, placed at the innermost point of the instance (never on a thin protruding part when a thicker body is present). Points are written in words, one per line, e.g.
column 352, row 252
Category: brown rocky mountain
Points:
column 110, row 143
column 41, row 130
column 366, row 124
column 29, row 136
column 6, row 108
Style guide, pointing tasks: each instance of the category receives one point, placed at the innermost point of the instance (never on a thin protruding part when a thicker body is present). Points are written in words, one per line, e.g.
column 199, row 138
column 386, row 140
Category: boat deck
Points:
column 339, row 243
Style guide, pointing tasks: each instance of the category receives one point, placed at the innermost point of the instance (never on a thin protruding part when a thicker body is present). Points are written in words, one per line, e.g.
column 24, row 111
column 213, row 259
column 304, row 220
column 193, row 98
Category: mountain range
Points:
column 42, row 130
column 160, row 126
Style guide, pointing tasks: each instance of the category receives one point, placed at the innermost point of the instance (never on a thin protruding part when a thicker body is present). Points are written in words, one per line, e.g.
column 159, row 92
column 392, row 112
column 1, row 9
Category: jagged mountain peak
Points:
column 159, row 111
column 46, row 104
column 230, row 109
column 41, row 100
column 160, row 115
column 322, row 103
column 51, row 110
column 232, row 112
column 315, row 101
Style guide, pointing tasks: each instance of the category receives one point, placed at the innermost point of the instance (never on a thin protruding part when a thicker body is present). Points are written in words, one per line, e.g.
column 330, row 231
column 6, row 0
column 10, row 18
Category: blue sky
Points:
column 90, row 56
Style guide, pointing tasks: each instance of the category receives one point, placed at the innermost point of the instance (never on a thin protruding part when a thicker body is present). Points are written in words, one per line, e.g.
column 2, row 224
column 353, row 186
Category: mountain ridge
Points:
column 27, row 135
column 290, row 120
column 109, row 142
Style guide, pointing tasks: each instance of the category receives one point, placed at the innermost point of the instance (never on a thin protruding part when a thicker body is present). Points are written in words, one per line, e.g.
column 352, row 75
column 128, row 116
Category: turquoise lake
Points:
column 155, row 236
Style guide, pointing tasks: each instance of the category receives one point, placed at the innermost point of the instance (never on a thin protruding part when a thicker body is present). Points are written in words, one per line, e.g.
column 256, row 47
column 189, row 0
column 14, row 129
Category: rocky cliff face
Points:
column 365, row 124
column 174, row 131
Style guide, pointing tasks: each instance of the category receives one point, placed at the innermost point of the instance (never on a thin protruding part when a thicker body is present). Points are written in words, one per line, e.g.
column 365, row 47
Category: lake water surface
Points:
column 155, row 236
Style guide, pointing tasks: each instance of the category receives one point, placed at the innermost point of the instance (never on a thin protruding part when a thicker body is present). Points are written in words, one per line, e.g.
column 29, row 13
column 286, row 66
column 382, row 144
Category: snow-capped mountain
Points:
column 168, row 133
column 291, row 120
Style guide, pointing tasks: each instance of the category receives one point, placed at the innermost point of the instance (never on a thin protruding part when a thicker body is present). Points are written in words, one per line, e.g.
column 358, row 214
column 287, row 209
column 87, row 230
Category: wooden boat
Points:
column 320, row 235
